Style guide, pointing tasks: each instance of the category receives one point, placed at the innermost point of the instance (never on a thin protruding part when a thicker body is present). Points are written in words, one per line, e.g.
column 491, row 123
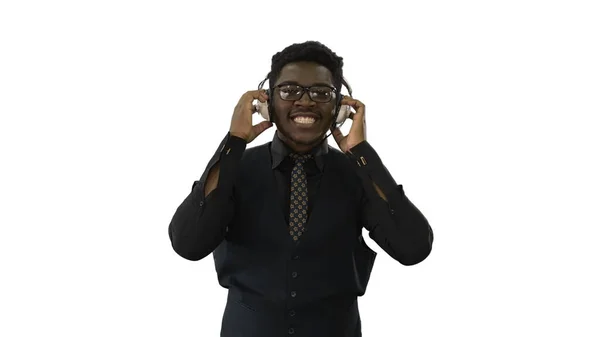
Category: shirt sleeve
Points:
column 396, row 225
column 200, row 223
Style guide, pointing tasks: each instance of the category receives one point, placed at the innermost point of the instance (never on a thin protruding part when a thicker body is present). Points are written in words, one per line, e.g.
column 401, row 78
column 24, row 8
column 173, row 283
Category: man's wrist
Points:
column 238, row 135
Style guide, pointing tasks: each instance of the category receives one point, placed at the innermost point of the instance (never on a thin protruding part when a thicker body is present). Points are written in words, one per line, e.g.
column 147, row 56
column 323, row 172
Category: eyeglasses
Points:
column 317, row 93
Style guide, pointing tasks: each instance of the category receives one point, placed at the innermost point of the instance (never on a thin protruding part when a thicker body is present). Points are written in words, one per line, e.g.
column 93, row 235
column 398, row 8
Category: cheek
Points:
column 281, row 108
column 329, row 111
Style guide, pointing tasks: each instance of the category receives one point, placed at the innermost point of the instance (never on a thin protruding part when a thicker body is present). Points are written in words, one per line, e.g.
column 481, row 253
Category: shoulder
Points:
column 335, row 152
column 338, row 157
column 344, row 172
column 256, row 149
column 256, row 153
column 340, row 162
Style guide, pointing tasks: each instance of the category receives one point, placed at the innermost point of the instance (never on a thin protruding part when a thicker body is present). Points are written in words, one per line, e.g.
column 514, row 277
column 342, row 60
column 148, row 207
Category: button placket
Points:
column 292, row 276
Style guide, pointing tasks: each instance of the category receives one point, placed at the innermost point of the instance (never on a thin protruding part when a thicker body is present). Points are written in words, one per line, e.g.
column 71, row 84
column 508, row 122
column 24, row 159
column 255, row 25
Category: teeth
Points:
column 304, row 120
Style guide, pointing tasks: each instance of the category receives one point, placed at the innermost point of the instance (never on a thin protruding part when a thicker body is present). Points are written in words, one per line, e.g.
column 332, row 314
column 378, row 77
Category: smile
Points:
column 304, row 120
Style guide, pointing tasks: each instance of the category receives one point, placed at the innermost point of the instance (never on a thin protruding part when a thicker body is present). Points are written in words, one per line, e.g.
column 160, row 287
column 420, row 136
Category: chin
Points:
column 303, row 138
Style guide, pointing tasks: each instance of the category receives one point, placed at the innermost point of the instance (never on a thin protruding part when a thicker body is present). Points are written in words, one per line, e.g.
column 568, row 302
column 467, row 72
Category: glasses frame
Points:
column 306, row 90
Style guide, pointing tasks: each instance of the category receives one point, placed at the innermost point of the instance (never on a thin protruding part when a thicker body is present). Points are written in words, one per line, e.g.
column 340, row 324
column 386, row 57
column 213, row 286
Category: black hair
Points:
column 310, row 51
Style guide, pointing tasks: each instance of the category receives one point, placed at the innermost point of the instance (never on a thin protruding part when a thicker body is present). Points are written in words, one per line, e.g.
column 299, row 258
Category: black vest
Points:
column 281, row 288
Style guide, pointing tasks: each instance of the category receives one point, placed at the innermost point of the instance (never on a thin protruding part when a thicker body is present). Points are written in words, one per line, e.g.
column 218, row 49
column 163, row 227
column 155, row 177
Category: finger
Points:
column 356, row 104
column 357, row 117
column 251, row 95
column 348, row 100
column 261, row 127
column 255, row 94
column 359, row 114
column 263, row 97
column 337, row 135
column 246, row 106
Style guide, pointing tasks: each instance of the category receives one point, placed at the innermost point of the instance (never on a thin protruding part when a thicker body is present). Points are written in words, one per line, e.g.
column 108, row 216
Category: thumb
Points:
column 337, row 134
column 261, row 127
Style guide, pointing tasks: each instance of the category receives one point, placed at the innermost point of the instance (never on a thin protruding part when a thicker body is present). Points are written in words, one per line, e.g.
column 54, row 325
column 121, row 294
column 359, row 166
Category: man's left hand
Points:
column 358, row 130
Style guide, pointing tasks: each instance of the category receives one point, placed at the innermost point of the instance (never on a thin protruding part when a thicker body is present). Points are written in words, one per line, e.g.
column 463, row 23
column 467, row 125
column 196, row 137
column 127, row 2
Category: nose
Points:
column 304, row 100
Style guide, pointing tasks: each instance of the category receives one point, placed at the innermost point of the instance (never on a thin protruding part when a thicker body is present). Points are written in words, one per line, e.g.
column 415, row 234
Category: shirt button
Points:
column 201, row 203
column 292, row 313
column 391, row 211
column 291, row 331
column 295, row 257
column 293, row 293
column 294, row 274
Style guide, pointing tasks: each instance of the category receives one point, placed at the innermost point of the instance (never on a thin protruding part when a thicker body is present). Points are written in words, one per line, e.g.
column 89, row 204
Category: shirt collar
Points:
column 280, row 150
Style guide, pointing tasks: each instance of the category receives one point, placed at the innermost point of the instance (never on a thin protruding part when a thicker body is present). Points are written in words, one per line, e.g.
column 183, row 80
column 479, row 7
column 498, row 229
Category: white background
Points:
column 486, row 112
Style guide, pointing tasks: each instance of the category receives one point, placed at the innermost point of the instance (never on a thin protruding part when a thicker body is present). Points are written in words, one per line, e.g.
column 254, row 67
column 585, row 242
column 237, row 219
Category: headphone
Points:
column 341, row 112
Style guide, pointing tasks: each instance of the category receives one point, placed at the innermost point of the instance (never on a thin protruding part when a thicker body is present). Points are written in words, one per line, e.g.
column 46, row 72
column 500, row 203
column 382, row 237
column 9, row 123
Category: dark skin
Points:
column 302, row 139
column 299, row 138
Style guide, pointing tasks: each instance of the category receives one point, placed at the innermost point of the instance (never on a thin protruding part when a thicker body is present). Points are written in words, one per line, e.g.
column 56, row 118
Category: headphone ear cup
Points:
column 262, row 109
column 345, row 111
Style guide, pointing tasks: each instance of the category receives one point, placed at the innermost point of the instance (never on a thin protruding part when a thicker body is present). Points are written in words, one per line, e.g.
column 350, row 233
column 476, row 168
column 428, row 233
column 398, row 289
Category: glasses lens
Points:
column 321, row 94
column 290, row 92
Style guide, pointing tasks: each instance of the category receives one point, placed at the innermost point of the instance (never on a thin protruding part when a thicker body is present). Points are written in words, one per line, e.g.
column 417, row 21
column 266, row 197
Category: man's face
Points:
column 303, row 122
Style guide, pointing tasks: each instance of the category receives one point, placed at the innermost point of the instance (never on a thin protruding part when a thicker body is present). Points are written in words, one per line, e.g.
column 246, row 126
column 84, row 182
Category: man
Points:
column 284, row 219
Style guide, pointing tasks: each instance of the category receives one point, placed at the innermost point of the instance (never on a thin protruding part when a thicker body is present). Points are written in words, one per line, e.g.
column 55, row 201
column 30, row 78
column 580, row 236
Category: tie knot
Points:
column 300, row 157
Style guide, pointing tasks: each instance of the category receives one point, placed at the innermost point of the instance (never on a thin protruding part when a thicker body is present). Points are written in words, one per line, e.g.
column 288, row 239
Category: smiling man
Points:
column 302, row 120
column 284, row 219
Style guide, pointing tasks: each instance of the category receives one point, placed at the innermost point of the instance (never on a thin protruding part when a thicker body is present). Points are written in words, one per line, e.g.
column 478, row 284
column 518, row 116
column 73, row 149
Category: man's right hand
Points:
column 241, row 122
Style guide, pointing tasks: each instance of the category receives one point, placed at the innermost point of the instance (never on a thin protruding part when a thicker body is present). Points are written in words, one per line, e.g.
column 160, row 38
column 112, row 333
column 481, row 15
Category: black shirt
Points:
column 396, row 225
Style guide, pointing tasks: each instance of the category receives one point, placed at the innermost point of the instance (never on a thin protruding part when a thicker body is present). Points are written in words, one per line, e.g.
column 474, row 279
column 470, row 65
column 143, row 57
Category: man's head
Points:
column 303, row 116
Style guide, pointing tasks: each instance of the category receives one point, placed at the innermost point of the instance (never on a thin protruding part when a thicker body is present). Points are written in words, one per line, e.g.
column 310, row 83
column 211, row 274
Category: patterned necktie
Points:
column 298, row 196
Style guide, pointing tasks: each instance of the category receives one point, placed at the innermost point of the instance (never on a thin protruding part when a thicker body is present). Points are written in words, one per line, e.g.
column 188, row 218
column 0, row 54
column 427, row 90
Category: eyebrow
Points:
column 312, row 85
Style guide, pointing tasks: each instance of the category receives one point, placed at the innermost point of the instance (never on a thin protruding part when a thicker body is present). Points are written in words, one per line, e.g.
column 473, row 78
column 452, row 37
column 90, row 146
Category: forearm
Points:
column 400, row 228
column 392, row 219
column 200, row 222
column 213, row 180
column 198, row 226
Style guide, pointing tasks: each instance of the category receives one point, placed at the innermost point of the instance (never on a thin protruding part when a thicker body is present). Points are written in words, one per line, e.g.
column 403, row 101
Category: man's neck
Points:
column 297, row 148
